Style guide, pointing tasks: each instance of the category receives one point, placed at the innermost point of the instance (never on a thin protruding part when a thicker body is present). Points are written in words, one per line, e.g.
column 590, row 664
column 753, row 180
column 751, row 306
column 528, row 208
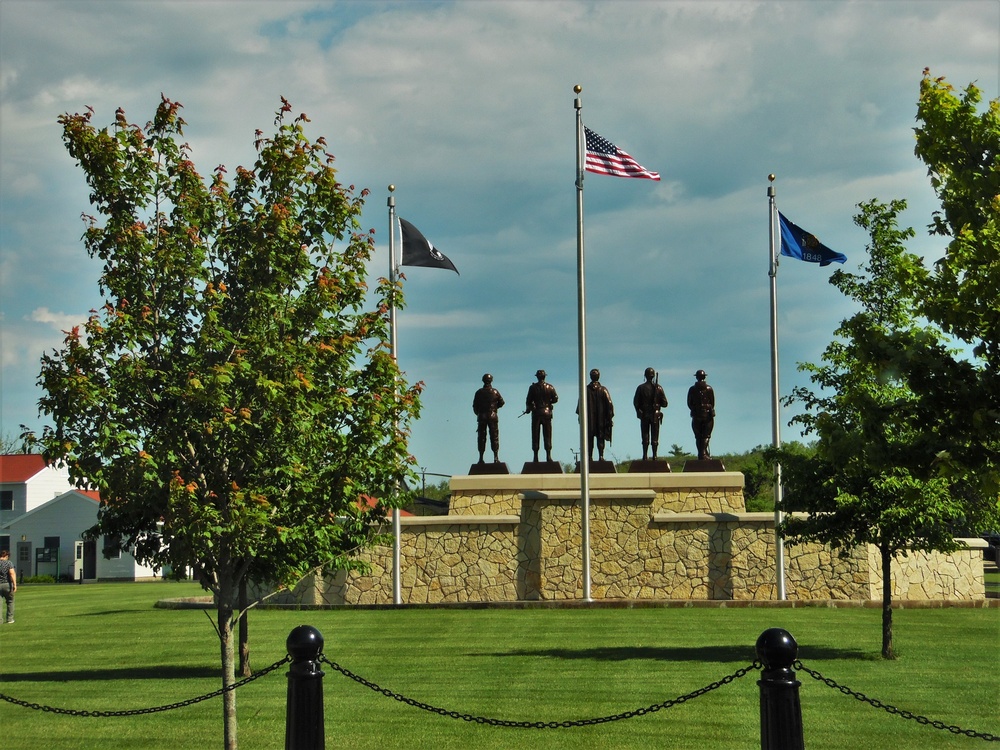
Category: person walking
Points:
column 8, row 583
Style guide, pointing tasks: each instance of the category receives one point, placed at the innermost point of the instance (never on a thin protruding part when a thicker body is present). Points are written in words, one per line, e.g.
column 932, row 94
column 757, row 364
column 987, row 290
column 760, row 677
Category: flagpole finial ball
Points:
column 770, row 177
column 577, row 89
column 391, row 188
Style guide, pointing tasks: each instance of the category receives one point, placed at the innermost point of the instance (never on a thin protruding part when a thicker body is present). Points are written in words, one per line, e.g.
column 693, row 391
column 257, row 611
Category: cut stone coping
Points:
column 574, row 495
column 491, row 483
column 747, row 517
column 459, row 520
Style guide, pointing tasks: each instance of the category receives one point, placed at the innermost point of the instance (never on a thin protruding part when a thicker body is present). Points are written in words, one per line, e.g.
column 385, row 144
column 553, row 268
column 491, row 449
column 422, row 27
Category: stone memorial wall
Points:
column 675, row 536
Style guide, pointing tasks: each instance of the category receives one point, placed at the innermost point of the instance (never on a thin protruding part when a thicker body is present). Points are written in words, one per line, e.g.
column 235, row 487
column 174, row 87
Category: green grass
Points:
column 104, row 647
column 992, row 580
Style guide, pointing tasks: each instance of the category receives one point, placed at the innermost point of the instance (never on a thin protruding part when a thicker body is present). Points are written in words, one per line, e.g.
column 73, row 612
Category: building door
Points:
column 77, row 561
column 23, row 563
column 89, row 559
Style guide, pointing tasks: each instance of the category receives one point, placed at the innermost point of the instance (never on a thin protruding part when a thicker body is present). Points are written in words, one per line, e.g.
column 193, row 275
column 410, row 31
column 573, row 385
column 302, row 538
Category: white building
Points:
column 42, row 520
column 26, row 482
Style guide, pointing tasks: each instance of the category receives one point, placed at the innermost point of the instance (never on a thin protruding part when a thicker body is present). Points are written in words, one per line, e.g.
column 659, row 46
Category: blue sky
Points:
column 467, row 107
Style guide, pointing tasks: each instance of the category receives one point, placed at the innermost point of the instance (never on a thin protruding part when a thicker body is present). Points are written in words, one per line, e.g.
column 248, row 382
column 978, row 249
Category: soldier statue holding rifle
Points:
column 539, row 402
column 649, row 401
column 485, row 404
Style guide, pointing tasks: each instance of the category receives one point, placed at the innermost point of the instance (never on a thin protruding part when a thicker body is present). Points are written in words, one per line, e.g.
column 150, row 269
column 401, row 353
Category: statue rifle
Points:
column 656, row 404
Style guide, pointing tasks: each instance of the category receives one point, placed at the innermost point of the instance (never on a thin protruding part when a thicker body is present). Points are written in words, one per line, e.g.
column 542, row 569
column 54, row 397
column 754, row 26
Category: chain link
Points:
column 155, row 709
column 541, row 724
column 893, row 710
column 923, row 720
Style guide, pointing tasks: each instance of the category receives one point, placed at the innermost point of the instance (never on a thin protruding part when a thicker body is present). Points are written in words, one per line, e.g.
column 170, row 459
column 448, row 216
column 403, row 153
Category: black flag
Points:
column 417, row 251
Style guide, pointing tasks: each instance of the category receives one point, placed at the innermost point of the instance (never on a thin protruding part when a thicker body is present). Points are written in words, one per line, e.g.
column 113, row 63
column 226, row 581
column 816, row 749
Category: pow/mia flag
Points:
column 417, row 251
column 798, row 243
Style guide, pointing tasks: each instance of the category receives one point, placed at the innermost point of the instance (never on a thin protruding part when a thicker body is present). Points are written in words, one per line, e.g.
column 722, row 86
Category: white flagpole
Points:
column 582, row 332
column 397, row 597
column 779, row 543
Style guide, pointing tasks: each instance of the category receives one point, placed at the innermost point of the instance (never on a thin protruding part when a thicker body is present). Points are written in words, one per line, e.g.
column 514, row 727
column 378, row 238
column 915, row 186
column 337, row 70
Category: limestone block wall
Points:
column 441, row 560
column 933, row 575
column 667, row 536
column 714, row 492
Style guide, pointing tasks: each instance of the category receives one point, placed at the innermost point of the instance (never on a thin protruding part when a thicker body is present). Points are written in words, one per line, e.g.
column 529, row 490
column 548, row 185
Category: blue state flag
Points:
column 798, row 243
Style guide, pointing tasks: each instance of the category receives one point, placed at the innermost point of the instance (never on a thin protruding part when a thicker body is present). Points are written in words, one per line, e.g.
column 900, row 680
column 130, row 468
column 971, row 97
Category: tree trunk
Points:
column 244, row 630
column 225, row 612
column 887, row 651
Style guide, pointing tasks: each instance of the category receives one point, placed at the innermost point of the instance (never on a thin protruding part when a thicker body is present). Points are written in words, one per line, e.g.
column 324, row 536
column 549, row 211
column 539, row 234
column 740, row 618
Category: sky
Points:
column 468, row 109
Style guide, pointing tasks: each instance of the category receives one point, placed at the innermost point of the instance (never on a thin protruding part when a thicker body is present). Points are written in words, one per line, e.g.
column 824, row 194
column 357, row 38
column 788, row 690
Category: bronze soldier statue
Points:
column 648, row 401
column 600, row 415
column 485, row 404
column 701, row 402
column 541, row 397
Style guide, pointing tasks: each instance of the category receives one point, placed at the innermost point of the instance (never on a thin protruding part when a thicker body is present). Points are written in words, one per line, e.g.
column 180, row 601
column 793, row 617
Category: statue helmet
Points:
column 540, row 374
column 701, row 375
column 487, row 378
column 595, row 374
column 650, row 372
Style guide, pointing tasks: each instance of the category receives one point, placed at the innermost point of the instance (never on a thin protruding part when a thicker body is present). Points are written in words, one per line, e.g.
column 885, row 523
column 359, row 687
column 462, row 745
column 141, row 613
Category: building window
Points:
column 112, row 543
column 6, row 499
column 51, row 542
column 5, row 542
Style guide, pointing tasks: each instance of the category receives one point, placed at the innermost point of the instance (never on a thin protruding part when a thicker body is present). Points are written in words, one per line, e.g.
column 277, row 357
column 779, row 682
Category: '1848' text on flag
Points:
column 798, row 243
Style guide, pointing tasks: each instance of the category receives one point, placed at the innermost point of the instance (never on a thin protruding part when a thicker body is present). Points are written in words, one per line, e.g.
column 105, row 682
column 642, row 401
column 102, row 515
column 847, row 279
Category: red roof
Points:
column 20, row 467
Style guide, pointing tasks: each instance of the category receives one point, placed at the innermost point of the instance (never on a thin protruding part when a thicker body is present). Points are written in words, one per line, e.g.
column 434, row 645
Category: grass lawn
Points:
column 104, row 647
column 992, row 580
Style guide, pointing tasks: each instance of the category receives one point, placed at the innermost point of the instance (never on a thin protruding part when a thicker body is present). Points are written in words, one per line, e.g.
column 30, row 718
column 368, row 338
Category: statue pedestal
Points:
column 649, row 466
column 704, row 464
column 602, row 466
column 496, row 467
column 542, row 467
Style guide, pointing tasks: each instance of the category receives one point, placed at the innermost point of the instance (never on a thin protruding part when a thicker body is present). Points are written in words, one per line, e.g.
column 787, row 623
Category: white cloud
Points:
column 467, row 107
column 58, row 321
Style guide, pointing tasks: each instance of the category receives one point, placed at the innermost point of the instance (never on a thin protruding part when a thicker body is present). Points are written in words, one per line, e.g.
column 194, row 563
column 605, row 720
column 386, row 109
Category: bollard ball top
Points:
column 391, row 188
column 304, row 643
column 577, row 89
column 776, row 648
column 770, row 177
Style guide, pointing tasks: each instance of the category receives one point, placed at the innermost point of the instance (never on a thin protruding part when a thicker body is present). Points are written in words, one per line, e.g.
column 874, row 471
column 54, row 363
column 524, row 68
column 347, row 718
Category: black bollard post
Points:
column 304, row 712
column 780, row 709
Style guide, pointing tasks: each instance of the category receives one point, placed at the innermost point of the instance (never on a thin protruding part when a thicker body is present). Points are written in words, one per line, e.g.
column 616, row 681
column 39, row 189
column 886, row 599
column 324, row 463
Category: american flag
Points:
column 604, row 157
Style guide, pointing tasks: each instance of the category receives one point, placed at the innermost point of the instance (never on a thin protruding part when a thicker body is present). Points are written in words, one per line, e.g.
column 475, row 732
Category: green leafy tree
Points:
column 233, row 398
column 959, row 141
column 872, row 478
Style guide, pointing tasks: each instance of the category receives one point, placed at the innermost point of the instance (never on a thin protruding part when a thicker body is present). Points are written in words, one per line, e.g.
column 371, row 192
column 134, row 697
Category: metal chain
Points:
column 542, row 724
column 155, row 709
column 892, row 709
